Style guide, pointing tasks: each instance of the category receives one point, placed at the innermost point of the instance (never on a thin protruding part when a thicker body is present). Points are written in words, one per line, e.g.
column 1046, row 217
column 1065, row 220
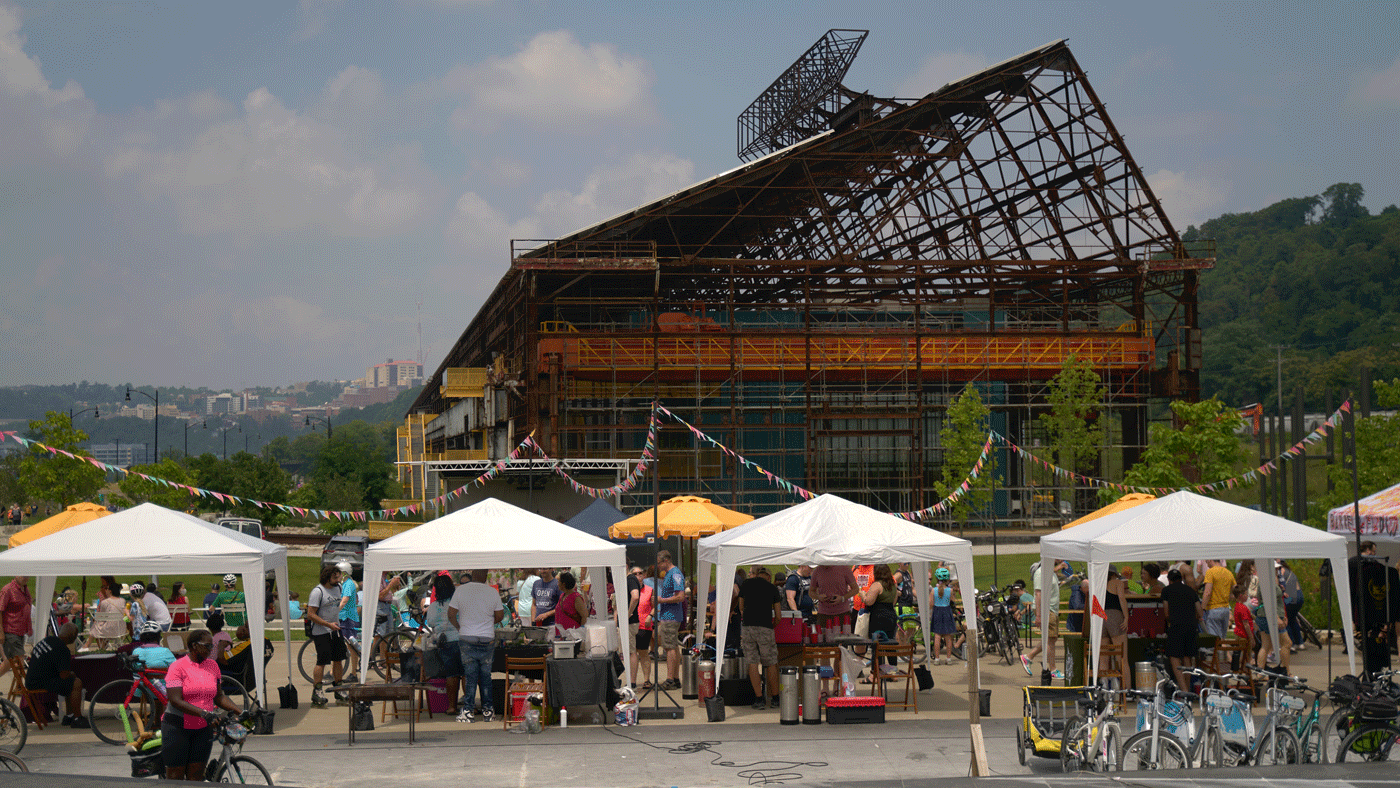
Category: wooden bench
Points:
column 386, row 692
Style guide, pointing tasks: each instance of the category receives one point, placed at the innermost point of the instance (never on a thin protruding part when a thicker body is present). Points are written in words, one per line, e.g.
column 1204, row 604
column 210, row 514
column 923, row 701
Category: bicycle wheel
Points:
column 1309, row 632
column 1311, row 744
column 235, row 691
column 380, row 649
column 243, row 770
column 14, row 729
column 9, row 762
column 1212, row 749
column 1278, row 746
column 306, row 660
column 1073, row 742
column 1137, row 753
column 1368, row 743
column 1109, row 757
column 109, row 705
column 1336, row 728
column 1013, row 639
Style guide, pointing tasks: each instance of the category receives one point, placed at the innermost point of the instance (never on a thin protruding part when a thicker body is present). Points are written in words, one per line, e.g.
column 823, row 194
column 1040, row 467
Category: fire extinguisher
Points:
column 705, row 678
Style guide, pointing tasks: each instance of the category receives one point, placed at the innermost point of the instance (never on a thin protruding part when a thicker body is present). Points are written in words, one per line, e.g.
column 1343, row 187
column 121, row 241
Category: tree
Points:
column 246, row 476
column 965, row 428
column 1377, row 453
column 138, row 490
column 54, row 477
column 1201, row 447
column 1072, row 423
column 1343, row 204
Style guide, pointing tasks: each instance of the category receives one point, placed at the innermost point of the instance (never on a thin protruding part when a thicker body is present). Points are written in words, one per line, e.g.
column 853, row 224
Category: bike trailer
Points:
column 1045, row 710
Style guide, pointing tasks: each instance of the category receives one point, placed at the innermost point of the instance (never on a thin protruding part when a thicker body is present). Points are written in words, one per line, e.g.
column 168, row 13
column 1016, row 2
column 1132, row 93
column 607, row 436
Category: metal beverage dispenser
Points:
column 787, row 694
column 706, row 679
column 812, row 695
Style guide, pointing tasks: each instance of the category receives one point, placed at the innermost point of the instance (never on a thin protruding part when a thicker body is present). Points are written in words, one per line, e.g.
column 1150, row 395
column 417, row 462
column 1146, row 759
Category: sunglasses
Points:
column 203, row 644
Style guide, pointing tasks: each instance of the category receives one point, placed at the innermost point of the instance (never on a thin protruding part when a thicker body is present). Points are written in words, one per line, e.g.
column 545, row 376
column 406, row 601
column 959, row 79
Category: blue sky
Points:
column 240, row 194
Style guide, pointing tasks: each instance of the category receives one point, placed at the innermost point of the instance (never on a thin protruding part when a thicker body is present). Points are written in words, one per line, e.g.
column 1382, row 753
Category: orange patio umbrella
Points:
column 686, row 516
column 73, row 515
column 1126, row 502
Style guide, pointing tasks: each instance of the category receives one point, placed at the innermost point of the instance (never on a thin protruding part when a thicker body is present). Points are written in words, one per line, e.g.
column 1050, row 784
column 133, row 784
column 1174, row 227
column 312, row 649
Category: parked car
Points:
column 345, row 548
column 244, row 525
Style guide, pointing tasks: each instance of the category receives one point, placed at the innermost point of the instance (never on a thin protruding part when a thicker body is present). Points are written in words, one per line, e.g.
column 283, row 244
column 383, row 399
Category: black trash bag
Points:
column 362, row 716
column 714, row 708
column 924, row 677
column 288, row 696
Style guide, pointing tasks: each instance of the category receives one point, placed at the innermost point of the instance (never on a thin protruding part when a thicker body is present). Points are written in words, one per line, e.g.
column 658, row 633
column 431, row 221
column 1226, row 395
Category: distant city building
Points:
column 393, row 374
column 361, row 397
column 226, row 403
column 122, row 455
column 147, row 411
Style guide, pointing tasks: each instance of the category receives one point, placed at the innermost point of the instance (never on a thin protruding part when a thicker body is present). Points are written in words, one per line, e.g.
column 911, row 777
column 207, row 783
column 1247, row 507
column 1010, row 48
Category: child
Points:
column 941, row 621
column 1243, row 617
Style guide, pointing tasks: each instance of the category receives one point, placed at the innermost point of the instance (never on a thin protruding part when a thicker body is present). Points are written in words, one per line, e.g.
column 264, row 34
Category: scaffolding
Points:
column 816, row 309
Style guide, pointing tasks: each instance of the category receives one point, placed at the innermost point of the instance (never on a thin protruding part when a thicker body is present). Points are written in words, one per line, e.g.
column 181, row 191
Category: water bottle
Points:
column 563, row 718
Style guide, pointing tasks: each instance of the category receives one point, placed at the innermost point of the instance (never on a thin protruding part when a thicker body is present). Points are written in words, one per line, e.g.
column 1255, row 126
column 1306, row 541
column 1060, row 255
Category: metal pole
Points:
column 1356, row 527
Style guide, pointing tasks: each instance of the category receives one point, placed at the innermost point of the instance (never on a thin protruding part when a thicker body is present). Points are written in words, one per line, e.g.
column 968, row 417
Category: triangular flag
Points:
column 1097, row 609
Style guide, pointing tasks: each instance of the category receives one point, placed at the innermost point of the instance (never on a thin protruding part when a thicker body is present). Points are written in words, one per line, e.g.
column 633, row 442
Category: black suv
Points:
column 345, row 548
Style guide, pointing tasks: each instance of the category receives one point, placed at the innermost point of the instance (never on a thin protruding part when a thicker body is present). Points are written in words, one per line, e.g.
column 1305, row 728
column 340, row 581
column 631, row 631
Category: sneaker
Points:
column 760, row 704
column 670, row 684
column 487, row 714
column 1026, row 663
column 466, row 715
column 773, row 702
column 1058, row 675
column 79, row 722
column 341, row 699
column 318, row 701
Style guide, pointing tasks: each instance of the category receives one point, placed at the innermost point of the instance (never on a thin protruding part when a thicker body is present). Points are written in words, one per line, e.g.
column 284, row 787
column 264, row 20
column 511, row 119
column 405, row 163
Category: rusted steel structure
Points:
column 815, row 309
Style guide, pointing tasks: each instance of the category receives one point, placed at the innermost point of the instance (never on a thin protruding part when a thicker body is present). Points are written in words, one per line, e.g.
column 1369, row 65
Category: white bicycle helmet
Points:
column 230, row 580
column 148, row 626
column 137, row 589
column 344, row 566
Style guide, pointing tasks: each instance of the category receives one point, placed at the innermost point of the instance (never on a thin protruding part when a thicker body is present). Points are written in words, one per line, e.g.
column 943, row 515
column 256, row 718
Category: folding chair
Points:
column 34, row 700
column 522, row 687
column 830, row 656
column 902, row 655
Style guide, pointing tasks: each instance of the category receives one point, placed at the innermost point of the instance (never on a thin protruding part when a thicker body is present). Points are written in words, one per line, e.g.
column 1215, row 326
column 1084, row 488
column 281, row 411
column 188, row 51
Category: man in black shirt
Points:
column 760, row 605
column 797, row 591
column 1183, row 611
column 50, row 669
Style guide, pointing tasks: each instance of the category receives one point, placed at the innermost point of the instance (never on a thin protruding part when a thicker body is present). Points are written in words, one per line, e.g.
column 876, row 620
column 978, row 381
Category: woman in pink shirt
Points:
column 187, row 729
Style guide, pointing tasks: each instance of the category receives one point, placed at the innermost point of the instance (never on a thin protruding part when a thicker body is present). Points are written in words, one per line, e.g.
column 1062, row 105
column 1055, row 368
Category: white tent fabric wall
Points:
column 492, row 534
column 1187, row 526
column 829, row 530
column 150, row 539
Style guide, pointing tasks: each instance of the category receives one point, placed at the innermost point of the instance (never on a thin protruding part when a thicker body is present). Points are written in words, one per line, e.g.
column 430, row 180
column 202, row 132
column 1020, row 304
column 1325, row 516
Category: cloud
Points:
column 312, row 17
column 940, row 69
column 36, row 118
column 1188, row 199
column 269, row 169
column 612, row 190
column 1377, row 89
column 476, row 228
column 553, row 81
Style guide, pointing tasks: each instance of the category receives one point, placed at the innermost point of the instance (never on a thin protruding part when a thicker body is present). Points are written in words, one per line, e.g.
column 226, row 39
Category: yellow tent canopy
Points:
column 686, row 516
column 73, row 515
column 1126, row 502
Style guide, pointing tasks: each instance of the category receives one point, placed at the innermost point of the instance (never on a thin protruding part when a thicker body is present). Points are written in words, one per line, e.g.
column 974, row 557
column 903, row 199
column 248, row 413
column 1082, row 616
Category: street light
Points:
column 330, row 429
column 202, row 425
column 245, row 441
column 156, row 400
column 71, row 415
column 225, row 432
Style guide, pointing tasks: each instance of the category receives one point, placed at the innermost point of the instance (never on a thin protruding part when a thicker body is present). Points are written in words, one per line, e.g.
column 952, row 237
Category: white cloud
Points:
column 1378, row 89
column 1188, row 199
column 34, row 116
column 554, row 81
column 940, row 69
column 477, row 228
column 313, row 15
column 270, row 170
column 612, row 190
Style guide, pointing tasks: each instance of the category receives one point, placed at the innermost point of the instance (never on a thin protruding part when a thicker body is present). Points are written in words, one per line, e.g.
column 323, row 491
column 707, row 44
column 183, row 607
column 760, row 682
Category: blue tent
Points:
column 596, row 518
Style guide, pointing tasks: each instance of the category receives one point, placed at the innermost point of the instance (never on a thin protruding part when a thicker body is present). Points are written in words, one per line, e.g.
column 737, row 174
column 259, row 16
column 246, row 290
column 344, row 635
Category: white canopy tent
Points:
column 493, row 534
column 150, row 539
column 1187, row 526
column 828, row 530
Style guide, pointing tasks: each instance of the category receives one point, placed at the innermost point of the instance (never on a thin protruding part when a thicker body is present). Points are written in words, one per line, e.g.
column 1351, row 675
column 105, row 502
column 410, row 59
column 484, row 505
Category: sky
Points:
column 259, row 193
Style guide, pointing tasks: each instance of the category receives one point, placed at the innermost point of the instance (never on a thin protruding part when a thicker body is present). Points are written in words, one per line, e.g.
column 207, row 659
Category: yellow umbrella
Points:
column 1126, row 502
column 686, row 516
column 74, row 515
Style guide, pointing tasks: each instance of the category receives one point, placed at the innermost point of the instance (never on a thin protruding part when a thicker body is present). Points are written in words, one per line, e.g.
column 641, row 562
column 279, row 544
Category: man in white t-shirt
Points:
column 1046, row 579
column 475, row 610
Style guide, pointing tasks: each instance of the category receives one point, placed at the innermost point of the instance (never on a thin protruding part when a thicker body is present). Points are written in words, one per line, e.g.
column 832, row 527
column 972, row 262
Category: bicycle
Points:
column 1229, row 737
column 1093, row 741
column 1309, row 632
column 232, row 766
column 1372, row 723
column 119, row 705
column 1348, row 693
column 9, row 762
column 14, row 728
column 1155, row 748
column 1307, row 727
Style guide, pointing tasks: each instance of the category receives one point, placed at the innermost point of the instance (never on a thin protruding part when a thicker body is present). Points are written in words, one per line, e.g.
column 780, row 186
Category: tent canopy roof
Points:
column 1126, row 502
column 831, row 530
column 69, row 517
column 687, row 516
column 1380, row 516
column 596, row 517
column 493, row 534
column 1186, row 525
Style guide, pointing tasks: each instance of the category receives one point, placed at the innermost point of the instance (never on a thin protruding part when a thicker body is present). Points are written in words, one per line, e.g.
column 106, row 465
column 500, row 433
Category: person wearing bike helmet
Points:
column 232, row 596
column 150, row 651
column 943, row 625
column 148, row 607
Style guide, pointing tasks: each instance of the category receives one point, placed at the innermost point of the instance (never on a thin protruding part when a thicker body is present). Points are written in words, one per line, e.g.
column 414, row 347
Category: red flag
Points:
column 1097, row 609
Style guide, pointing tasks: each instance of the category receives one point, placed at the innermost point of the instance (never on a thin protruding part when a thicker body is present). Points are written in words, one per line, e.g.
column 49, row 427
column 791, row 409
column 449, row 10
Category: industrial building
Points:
column 817, row 307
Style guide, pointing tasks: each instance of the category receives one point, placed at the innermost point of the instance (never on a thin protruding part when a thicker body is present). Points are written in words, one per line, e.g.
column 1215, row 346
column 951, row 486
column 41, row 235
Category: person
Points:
column 1022, row 603
column 572, row 610
column 149, row 650
column 833, row 587
column 545, row 598
column 475, row 610
column 670, row 596
column 1151, row 579
column 879, row 597
column 51, row 669
column 525, row 595
column 150, row 606
column 1292, row 603
column 222, row 641
column 1218, row 582
column 348, row 621
column 798, row 591
column 232, row 596
column 865, row 575
column 193, row 692
column 238, row 662
column 294, row 605
column 942, row 623
column 646, row 605
column 1046, row 580
column 15, row 514
column 1078, row 598
column 1267, row 651
column 16, row 619
column 210, row 598
column 760, row 605
column 1115, row 613
column 107, row 634
column 323, row 609
column 446, row 637
column 180, row 621
column 1242, row 617
column 1183, row 606
column 634, row 621
column 66, row 607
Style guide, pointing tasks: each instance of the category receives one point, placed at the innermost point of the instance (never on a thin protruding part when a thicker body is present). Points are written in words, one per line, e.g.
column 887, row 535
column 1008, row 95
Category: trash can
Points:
column 787, row 695
column 812, row 695
column 984, row 702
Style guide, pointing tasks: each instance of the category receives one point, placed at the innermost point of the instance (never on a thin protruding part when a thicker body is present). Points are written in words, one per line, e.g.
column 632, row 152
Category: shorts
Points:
column 350, row 630
column 14, row 645
column 1052, row 630
column 1114, row 625
column 180, row 746
column 60, row 687
column 632, row 630
column 668, row 634
column 643, row 640
column 760, row 646
column 330, row 647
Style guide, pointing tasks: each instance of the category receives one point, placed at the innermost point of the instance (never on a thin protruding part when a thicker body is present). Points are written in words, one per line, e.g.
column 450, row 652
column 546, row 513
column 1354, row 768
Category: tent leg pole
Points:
column 974, row 699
